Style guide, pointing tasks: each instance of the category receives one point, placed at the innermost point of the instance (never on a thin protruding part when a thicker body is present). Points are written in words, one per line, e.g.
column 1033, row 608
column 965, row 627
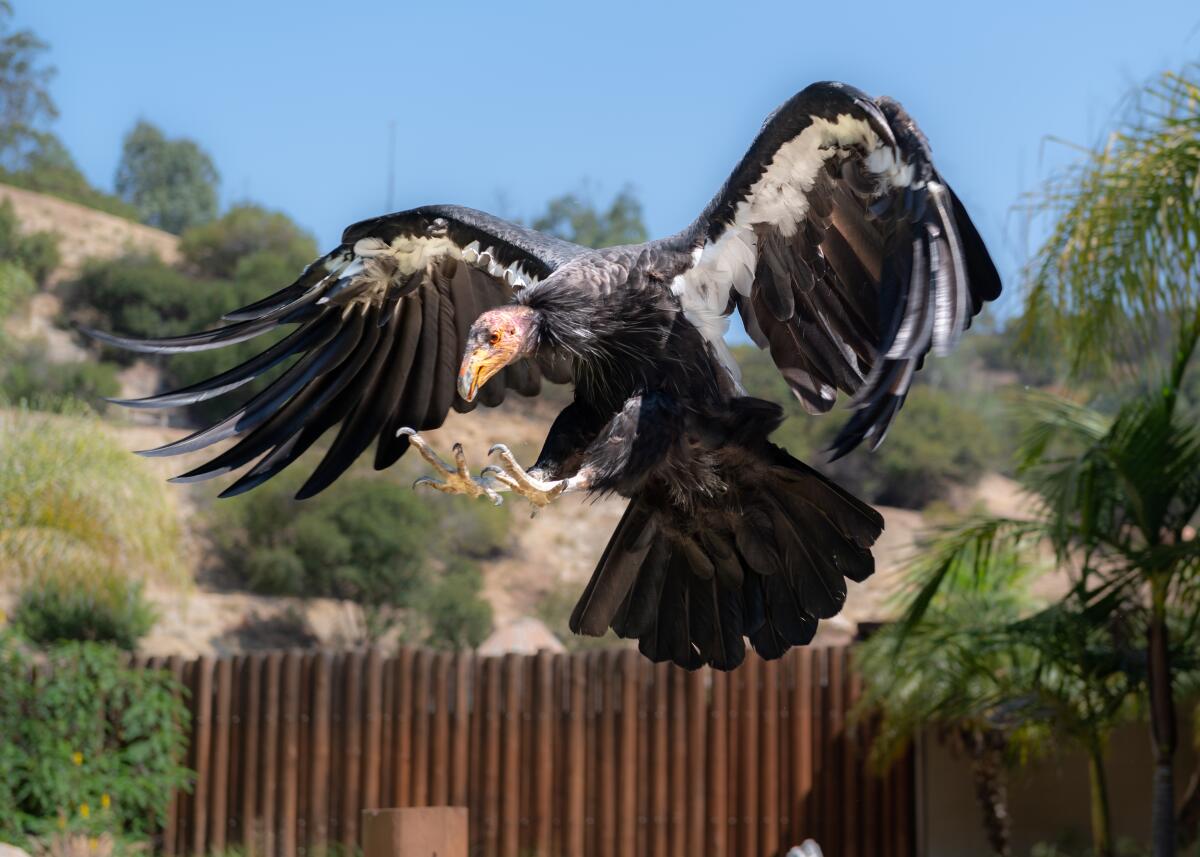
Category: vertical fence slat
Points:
column 202, row 748
column 402, row 729
column 543, row 760
column 290, row 754
column 836, row 747
column 718, row 766
column 460, row 727
column 219, row 784
column 697, row 732
column 272, row 674
column 576, row 756
column 422, row 667
column 170, row 835
column 510, row 797
column 439, row 784
column 802, row 739
column 351, row 751
column 748, row 756
column 852, row 809
column 304, row 753
column 318, row 799
column 493, row 701
column 373, row 734
column 768, row 759
column 609, row 686
column 678, row 762
column 627, row 755
column 233, row 794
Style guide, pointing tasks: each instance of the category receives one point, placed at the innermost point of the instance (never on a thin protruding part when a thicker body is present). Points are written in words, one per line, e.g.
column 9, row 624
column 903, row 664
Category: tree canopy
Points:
column 171, row 183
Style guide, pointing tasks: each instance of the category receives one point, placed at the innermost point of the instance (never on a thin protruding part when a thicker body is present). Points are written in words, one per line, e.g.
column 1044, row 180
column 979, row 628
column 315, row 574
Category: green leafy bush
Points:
column 35, row 252
column 87, row 744
column 405, row 557
column 16, row 287
column 221, row 247
column 457, row 614
column 87, row 606
column 27, row 377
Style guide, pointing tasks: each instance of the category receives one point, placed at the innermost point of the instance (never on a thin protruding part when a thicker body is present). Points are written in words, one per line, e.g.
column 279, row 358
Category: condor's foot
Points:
column 456, row 478
column 515, row 478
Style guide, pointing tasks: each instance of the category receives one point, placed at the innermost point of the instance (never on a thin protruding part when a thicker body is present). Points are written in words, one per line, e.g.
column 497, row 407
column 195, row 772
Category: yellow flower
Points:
column 93, row 843
column 77, row 757
column 105, row 801
column 62, row 821
column 84, row 810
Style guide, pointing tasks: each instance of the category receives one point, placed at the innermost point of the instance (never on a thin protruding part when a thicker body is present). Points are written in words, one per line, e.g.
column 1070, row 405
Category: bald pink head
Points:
column 497, row 338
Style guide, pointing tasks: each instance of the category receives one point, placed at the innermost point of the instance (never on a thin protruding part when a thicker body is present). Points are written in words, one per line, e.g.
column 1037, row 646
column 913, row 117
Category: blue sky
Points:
column 501, row 106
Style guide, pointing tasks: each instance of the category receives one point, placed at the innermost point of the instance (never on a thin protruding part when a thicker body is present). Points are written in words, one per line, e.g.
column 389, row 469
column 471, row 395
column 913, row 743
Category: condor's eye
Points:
column 494, row 339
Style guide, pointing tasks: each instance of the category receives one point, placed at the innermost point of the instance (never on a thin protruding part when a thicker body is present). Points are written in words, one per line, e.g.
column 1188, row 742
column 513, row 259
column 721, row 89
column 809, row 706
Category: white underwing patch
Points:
column 779, row 198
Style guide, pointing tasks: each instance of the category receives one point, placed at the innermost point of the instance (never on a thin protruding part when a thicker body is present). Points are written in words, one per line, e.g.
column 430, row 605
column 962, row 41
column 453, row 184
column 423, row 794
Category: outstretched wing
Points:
column 845, row 253
column 381, row 324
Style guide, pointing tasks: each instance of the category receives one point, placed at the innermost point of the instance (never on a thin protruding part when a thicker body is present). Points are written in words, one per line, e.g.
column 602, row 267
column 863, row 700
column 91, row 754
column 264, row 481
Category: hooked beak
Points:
column 477, row 367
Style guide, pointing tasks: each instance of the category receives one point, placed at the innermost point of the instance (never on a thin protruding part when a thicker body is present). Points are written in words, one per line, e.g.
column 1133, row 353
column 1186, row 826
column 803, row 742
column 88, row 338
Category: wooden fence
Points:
column 598, row 754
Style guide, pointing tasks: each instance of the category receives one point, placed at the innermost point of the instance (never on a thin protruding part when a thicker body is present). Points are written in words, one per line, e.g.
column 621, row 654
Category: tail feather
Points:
column 765, row 561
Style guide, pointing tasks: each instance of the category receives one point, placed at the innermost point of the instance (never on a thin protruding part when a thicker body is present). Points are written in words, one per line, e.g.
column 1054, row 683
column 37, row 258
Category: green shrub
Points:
column 96, row 607
column 87, row 744
column 224, row 247
column 362, row 539
column 405, row 556
column 457, row 614
column 36, row 252
column 26, row 376
column 16, row 287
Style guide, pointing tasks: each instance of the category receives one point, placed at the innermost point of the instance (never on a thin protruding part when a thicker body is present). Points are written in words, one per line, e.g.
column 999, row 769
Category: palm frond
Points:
column 1122, row 253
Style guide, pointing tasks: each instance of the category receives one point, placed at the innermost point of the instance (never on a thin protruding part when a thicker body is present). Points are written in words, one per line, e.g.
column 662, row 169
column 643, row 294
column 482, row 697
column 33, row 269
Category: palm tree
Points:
column 1114, row 496
column 997, row 680
column 1118, row 277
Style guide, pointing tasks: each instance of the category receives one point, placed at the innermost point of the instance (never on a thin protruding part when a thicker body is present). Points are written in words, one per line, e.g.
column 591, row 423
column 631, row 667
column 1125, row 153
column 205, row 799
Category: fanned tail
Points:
column 765, row 560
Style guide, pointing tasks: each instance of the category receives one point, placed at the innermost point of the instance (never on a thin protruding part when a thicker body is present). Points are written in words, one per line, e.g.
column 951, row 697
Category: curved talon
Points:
column 456, row 479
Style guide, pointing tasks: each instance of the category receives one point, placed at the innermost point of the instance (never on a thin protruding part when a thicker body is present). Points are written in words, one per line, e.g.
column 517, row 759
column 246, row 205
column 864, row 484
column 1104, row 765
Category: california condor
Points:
column 836, row 240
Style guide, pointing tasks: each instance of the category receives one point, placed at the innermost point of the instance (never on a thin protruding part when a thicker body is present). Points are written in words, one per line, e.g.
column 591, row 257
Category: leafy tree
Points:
column 576, row 218
column 26, row 107
column 243, row 238
column 171, row 183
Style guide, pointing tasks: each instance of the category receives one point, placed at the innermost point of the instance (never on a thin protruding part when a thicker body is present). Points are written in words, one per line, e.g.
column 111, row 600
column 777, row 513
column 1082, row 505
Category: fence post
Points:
column 428, row 831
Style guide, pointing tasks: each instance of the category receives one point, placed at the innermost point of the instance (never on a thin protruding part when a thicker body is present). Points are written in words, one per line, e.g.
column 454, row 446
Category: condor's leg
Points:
column 570, row 434
column 618, row 457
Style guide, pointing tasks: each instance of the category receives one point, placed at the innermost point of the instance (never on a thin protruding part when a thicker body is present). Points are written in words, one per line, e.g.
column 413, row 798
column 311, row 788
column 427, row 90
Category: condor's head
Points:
column 497, row 338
